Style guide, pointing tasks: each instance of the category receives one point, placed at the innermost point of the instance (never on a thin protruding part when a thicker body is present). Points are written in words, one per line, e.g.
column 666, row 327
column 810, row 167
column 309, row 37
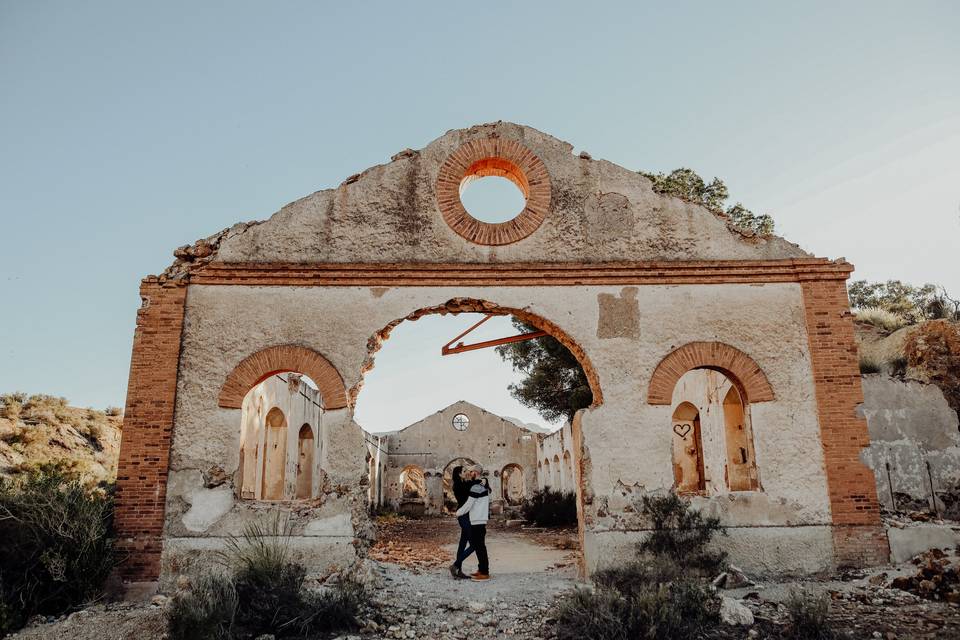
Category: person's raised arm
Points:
column 465, row 509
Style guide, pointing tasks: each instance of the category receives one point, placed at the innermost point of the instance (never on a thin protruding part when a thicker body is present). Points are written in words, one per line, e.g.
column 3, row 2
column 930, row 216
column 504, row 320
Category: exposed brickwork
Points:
column 494, row 157
column 262, row 364
column 558, row 274
column 147, row 427
column 711, row 355
column 858, row 536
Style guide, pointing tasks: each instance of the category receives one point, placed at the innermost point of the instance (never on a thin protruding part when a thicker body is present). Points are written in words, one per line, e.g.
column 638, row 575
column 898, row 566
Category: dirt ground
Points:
column 416, row 597
column 424, row 544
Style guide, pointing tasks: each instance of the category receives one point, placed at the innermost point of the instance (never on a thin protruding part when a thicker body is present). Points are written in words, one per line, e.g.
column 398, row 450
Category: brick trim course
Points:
column 518, row 273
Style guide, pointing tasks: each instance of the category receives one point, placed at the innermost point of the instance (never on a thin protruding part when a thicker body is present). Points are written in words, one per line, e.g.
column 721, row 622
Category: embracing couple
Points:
column 473, row 511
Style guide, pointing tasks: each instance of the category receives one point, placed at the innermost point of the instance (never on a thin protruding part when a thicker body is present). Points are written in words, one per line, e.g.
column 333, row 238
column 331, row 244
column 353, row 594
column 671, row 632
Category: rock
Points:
column 159, row 600
column 266, row 636
column 734, row 612
column 477, row 607
column 736, row 578
column 878, row 579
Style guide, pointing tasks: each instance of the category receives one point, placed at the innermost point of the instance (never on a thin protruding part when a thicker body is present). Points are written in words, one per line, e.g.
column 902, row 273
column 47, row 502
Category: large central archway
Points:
column 473, row 305
column 508, row 488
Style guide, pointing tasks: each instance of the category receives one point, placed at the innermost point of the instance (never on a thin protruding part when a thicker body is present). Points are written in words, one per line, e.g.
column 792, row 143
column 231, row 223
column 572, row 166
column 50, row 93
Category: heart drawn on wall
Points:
column 682, row 430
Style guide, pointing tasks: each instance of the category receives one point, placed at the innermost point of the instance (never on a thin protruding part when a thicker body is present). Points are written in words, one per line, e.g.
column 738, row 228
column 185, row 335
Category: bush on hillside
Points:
column 881, row 318
column 55, row 545
column 550, row 508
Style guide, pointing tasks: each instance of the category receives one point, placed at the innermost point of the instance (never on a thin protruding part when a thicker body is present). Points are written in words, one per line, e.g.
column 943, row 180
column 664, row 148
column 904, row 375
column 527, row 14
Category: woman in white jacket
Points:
column 478, row 507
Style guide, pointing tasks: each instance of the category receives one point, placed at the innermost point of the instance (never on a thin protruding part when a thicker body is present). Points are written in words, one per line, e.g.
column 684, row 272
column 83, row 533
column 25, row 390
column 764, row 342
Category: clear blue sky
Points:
column 128, row 129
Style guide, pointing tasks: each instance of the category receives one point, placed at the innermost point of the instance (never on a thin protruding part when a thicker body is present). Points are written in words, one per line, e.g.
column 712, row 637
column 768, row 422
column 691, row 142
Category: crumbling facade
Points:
column 417, row 461
column 641, row 287
column 914, row 445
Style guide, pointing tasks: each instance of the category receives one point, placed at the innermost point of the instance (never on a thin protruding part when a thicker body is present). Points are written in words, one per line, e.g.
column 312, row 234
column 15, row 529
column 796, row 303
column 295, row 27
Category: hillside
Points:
column 42, row 429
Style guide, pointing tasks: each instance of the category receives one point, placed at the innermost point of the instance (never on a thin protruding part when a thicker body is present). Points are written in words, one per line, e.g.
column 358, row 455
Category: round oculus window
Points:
column 496, row 158
column 461, row 422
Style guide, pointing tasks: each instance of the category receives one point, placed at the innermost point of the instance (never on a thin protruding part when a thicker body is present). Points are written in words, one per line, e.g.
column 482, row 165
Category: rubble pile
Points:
column 938, row 577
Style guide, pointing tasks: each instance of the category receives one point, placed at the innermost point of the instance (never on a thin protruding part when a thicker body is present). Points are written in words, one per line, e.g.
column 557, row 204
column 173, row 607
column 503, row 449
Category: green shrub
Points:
column 808, row 616
column 681, row 535
column 205, row 610
column 679, row 609
column 592, row 615
column 639, row 574
column 263, row 593
column 55, row 545
column 550, row 508
column 11, row 404
column 661, row 594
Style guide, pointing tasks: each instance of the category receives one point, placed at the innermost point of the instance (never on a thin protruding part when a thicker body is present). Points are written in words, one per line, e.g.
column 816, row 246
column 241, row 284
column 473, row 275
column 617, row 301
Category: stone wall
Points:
column 432, row 445
column 911, row 426
column 640, row 287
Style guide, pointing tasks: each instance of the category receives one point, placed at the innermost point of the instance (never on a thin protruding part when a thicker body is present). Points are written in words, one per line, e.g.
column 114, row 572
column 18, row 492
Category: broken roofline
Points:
column 578, row 209
column 454, row 404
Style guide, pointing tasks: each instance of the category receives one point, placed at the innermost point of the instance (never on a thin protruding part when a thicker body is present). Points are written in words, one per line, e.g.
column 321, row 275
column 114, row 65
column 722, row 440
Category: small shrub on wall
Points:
column 55, row 545
column 549, row 508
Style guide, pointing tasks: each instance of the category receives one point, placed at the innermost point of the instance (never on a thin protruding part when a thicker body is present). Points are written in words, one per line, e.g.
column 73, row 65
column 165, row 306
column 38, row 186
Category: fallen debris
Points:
column 938, row 577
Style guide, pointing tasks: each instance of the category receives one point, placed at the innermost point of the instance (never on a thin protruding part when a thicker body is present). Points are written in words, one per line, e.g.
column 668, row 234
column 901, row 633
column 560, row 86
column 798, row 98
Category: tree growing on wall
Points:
column 687, row 184
column 553, row 381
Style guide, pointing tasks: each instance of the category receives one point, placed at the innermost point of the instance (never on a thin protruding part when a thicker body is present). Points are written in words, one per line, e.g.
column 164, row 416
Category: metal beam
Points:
column 447, row 350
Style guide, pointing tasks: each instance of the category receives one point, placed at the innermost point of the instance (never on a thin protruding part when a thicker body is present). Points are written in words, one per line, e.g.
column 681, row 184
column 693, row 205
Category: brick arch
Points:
column 494, row 157
column 471, row 305
column 730, row 361
column 257, row 367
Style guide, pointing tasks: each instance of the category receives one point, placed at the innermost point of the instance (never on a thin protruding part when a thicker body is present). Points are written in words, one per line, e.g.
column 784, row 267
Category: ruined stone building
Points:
column 722, row 364
column 414, row 472
column 555, row 460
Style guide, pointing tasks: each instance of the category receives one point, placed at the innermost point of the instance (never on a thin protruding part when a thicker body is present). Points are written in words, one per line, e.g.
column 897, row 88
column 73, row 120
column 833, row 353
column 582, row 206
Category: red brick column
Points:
column 858, row 536
column 147, row 428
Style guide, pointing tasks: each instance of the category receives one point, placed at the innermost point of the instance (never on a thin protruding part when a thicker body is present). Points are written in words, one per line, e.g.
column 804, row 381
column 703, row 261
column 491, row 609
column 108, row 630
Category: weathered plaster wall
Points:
column 432, row 443
column 627, row 442
column 389, row 213
column 911, row 424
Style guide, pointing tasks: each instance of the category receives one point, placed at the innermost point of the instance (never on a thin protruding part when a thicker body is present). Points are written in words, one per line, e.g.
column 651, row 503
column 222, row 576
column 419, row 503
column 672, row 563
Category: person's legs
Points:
column 464, row 548
column 478, row 540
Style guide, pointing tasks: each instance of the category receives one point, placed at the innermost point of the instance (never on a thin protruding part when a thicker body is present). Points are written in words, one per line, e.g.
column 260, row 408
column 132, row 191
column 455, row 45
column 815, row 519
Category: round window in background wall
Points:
column 461, row 422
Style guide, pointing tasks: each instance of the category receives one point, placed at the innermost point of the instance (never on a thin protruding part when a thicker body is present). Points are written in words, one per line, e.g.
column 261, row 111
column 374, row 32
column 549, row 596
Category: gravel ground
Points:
column 416, row 597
